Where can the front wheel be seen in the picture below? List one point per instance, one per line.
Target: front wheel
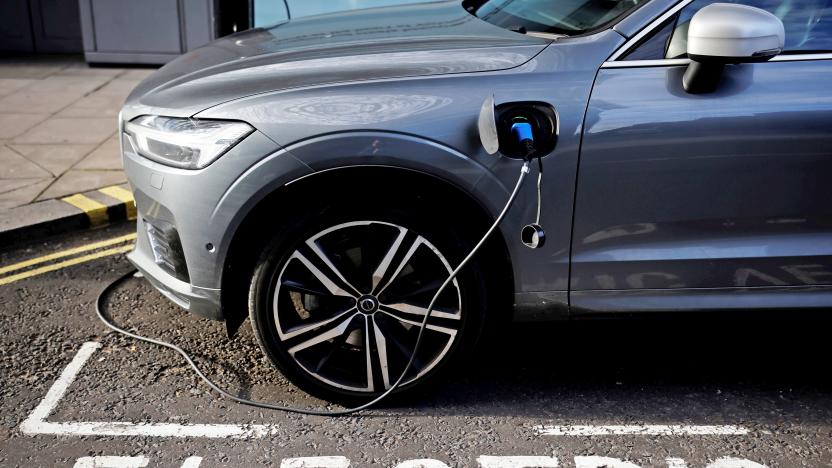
(338, 298)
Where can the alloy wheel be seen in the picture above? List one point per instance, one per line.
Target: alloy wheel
(349, 301)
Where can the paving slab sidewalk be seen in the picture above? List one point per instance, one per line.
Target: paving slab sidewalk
(58, 122)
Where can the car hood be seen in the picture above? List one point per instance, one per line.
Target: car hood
(391, 42)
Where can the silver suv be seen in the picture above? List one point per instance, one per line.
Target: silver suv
(324, 175)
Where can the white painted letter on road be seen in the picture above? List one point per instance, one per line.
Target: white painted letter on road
(111, 462)
(315, 462)
(422, 463)
(517, 462)
(603, 462)
(731, 462)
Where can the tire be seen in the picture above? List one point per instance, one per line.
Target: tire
(346, 284)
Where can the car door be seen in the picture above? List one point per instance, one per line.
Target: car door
(718, 200)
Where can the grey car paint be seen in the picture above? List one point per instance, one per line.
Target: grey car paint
(693, 192)
(408, 96)
(396, 42)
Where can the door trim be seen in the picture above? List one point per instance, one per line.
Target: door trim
(686, 61)
(590, 302)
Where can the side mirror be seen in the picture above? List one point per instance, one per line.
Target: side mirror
(726, 33)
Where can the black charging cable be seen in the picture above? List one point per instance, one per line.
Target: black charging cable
(99, 309)
(532, 235)
(288, 11)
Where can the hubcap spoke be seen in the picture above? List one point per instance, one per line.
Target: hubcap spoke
(333, 333)
(419, 240)
(328, 283)
(406, 352)
(388, 258)
(303, 288)
(437, 328)
(314, 326)
(320, 253)
(381, 349)
(336, 343)
(368, 354)
(421, 311)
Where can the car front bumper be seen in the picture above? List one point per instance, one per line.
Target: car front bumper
(183, 235)
(201, 301)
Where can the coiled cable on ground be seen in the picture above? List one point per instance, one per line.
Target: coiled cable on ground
(102, 296)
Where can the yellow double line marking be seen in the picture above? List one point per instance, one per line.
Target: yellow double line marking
(66, 263)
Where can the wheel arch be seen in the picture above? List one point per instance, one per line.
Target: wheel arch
(292, 174)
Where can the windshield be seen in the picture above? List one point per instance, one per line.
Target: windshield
(568, 17)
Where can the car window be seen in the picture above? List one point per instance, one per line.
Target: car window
(808, 25)
(654, 46)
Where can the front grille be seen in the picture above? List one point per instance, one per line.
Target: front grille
(167, 250)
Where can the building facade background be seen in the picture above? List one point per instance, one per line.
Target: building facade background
(144, 31)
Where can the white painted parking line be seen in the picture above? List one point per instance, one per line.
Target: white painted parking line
(36, 423)
(127, 462)
(111, 462)
(58, 389)
(111, 429)
(640, 429)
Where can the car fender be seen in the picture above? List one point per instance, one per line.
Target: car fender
(352, 149)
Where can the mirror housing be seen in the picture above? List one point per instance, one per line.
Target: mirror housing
(726, 33)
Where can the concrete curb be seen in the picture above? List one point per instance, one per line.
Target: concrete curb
(91, 209)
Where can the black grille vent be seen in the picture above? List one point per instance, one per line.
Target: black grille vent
(167, 250)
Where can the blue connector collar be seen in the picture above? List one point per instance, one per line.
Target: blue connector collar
(522, 131)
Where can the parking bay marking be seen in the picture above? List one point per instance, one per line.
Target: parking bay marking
(37, 422)
(641, 429)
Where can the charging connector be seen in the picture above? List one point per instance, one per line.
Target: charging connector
(522, 131)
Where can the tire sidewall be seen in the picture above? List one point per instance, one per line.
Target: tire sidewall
(451, 242)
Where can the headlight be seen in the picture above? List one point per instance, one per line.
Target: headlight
(186, 143)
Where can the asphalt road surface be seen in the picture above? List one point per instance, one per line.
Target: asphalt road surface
(722, 390)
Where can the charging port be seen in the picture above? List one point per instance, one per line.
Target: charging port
(542, 119)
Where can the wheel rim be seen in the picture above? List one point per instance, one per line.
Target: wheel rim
(349, 301)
